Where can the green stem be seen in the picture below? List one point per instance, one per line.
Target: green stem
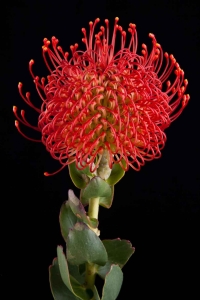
(90, 275)
(93, 209)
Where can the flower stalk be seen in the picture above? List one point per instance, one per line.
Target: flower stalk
(93, 208)
(90, 273)
(93, 211)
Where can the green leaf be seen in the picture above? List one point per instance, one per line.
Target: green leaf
(116, 174)
(74, 271)
(58, 288)
(71, 283)
(119, 252)
(113, 283)
(79, 177)
(86, 171)
(96, 294)
(67, 219)
(83, 245)
(97, 187)
(82, 269)
(79, 211)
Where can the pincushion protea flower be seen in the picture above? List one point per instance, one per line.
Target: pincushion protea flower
(99, 100)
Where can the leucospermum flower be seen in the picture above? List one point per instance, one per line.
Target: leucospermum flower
(99, 100)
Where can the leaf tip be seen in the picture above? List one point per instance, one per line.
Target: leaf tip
(73, 198)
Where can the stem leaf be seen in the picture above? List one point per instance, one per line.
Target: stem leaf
(67, 219)
(70, 282)
(79, 211)
(116, 174)
(98, 188)
(80, 178)
(119, 252)
(113, 283)
(58, 288)
(83, 245)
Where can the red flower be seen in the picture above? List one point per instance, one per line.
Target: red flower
(101, 100)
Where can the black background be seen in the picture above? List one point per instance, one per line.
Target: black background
(157, 209)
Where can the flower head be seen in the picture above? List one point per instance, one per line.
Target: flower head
(99, 100)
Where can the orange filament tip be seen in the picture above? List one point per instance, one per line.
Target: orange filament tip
(46, 174)
(14, 108)
(90, 23)
(44, 48)
(97, 20)
(19, 84)
(16, 123)
(151, 35)
(31, 62)
(106, 21)
(116, 19)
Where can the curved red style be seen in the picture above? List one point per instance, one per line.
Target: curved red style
(101, 100)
